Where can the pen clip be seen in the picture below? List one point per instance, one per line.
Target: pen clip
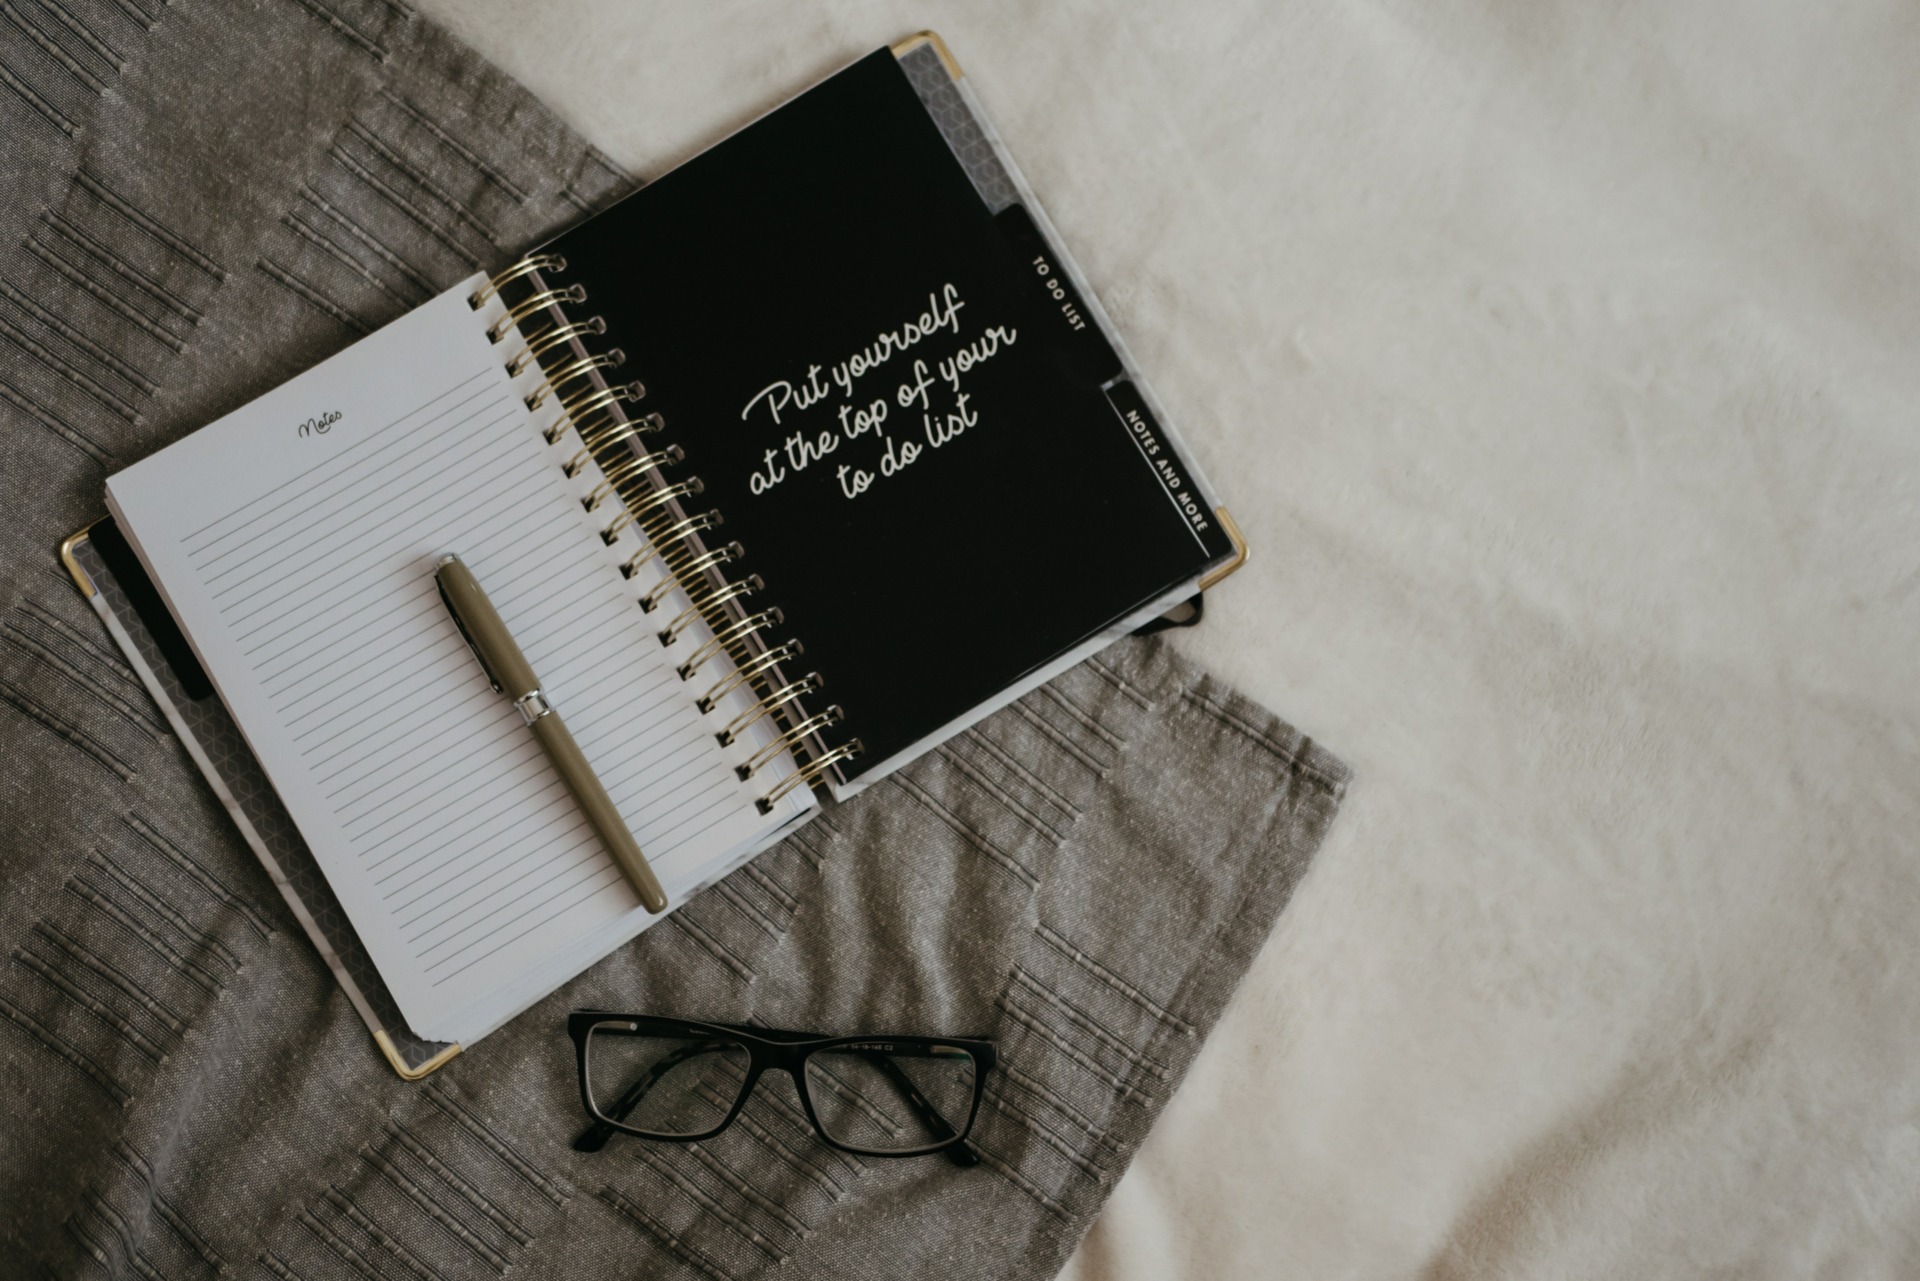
(467, 636)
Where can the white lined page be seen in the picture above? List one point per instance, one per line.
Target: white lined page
(300, 565)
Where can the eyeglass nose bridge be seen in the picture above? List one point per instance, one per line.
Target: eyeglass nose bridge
(785, 1053)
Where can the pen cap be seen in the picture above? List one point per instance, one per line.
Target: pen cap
(491, 641)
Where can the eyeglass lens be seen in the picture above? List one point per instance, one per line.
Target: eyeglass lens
(884, 1096)
(671, 1086)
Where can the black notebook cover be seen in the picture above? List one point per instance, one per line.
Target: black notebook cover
(972, 503)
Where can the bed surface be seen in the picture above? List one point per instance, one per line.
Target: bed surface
(1559, 362)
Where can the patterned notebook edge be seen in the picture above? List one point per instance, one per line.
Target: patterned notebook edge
(214, 742)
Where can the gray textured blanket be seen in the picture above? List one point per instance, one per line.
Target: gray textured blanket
(199, 200)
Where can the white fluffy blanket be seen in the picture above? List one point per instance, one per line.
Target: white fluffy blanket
(1562, 363)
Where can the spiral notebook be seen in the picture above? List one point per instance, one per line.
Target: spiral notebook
(798, 461)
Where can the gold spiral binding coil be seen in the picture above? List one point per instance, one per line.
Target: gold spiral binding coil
(712, 598)
(541, 341)
(589, 401)
(655, 532)
(706, 594)
(580, 368)
(545, 298)
(593, 411)
(658, 458)
(746, 673)
(759, 711)
(684, 565)
(807, 773)
(727, 637)
(609, 430)
(589, 398)
(687, 560)
(652, 543)
(655, 499)
(629, 467)
(812, 725)
(525, 267)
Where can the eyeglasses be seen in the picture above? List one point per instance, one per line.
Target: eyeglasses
(681, 1081)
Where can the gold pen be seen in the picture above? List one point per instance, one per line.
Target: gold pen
(508, 671)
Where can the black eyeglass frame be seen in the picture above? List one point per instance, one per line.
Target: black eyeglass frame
(771, 1049)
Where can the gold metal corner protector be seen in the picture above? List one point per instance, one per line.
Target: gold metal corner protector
(1240, 549)
(918, 38)
(399, 1064)
(72, 562)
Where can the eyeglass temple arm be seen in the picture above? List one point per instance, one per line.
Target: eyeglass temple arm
(595, 1136)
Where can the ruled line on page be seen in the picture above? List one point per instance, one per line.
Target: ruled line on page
(319, 535)
(433, 879)
(343, 473)
(261, 498)
(428, 859)
(593, 888)
(304, 577)
(460, 911)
